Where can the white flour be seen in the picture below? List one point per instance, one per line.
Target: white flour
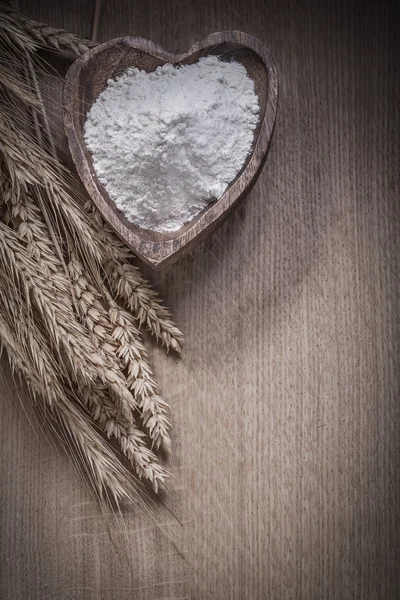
(164, 144)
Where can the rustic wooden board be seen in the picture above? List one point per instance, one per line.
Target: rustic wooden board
(286, 403)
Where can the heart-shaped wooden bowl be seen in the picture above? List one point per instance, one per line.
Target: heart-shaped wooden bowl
(87, 78)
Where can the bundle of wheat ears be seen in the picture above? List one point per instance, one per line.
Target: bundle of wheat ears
(71, 300)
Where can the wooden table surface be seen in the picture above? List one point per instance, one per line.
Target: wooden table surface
(286, 402)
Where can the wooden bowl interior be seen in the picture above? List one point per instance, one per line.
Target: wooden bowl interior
(115, 60)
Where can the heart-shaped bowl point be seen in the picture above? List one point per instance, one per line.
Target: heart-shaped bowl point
(88, 77)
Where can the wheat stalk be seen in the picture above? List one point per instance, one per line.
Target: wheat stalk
(28, 164)
(64, 327)
(62, 272)
(13, 36)
(65, 331)
(134, 291)
(23, 214)
(28, 337)
(68, 334)
(129, 438)
(26, 218)
(107, 331)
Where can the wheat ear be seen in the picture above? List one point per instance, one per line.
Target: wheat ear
(117, 336)
(30, 228)
(105, 472)
(34, 345)
(15, 89)
(49, 224)
(130, 439)
(106, 337)
(154, 409)
(32, 35)
(66, 333)
(130, 287)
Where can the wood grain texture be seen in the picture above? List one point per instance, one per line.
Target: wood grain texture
(286, 402)
(87, 78)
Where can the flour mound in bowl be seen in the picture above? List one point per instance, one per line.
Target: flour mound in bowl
(166, 143)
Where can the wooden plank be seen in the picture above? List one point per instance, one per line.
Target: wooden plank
(286, 403)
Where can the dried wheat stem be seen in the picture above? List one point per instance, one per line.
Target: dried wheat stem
(12, 34)
(130, 439)
(65, 330)
(130, 287)
(24, 215)
(104, 468)
(120, 340)
(31, 228)
(27, 220)
(92, 345)
(34, 346)
(28, 164)
(11, 337)
(117, 336)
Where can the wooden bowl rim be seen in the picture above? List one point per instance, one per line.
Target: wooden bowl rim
(164, 250)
